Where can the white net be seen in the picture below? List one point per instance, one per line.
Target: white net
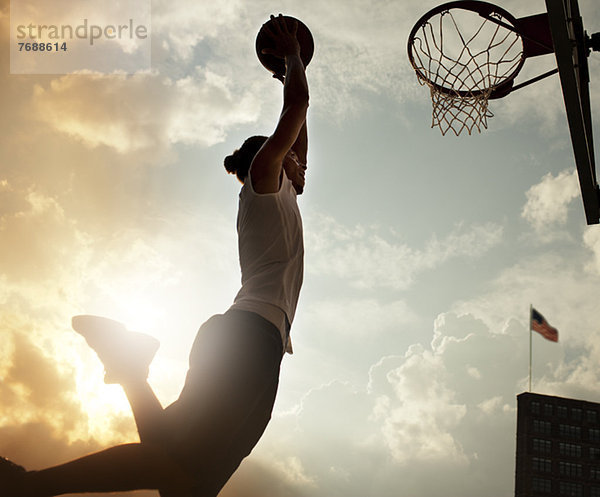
(459, 113)
(463, 57)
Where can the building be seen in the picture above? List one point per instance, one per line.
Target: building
(558, 447)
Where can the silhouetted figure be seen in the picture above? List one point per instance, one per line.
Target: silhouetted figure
(192, 447)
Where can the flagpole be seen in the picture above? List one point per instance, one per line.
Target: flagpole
(530, 340)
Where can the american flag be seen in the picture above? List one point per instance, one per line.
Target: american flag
(539, 324)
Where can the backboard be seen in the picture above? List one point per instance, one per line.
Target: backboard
(571, 48)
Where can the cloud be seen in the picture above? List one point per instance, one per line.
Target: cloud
(560, 288)
(144, 112)
(42, 419)
(185, 24)
(358, 52)
(421, 411)
(356, 312)
(591, 239)
(548, 201)
(336, 414)
(489, 406)
(541, 103)
(364, 258)
(207, 106)
(50, 264)
(354, 51)
(293, 472)
(419, 429)
(557, 286)
(42, 253)
(34, 227)
(254, 478)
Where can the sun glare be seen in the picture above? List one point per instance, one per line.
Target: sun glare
(140, 315)
(104, 404)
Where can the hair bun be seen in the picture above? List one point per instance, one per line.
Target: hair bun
(231, 163)
(240, 161)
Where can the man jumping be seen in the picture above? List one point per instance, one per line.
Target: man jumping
(192, 447)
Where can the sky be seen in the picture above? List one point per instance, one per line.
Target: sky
(423, 252)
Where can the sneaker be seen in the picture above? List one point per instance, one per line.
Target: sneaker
(126, 355)
(10, 475)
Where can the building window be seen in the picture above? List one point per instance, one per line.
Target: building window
(569, 469)
(570, 450)
(535, 407)
(595, 492)
(562, 411)
(592, 417)
(542, 485)
(541, 465)
(594, 434)
(548, 410)
(570, 431)
(570, 489)
(595, 453)
(541, 426)
(542, 446)
(576, 414)
(595, 473)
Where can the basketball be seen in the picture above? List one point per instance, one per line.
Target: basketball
(275, 64)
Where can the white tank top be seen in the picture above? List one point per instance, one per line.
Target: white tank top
(271, 252)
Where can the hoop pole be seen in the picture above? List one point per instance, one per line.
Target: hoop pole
(530, 340)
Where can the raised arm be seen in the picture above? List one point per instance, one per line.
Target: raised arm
(301, 144)
(290, 132)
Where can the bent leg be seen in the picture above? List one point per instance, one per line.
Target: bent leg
(126, 357)
(147, 411)
(121, 468)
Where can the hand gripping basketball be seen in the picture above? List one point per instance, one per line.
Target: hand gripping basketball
(278, 36)
(283, 35)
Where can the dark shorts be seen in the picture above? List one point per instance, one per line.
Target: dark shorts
(227, 399)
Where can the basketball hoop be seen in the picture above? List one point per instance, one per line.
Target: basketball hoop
(468, 52)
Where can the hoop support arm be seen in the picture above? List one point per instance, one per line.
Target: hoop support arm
(593, 42)
(533, 29)
(535, 80)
